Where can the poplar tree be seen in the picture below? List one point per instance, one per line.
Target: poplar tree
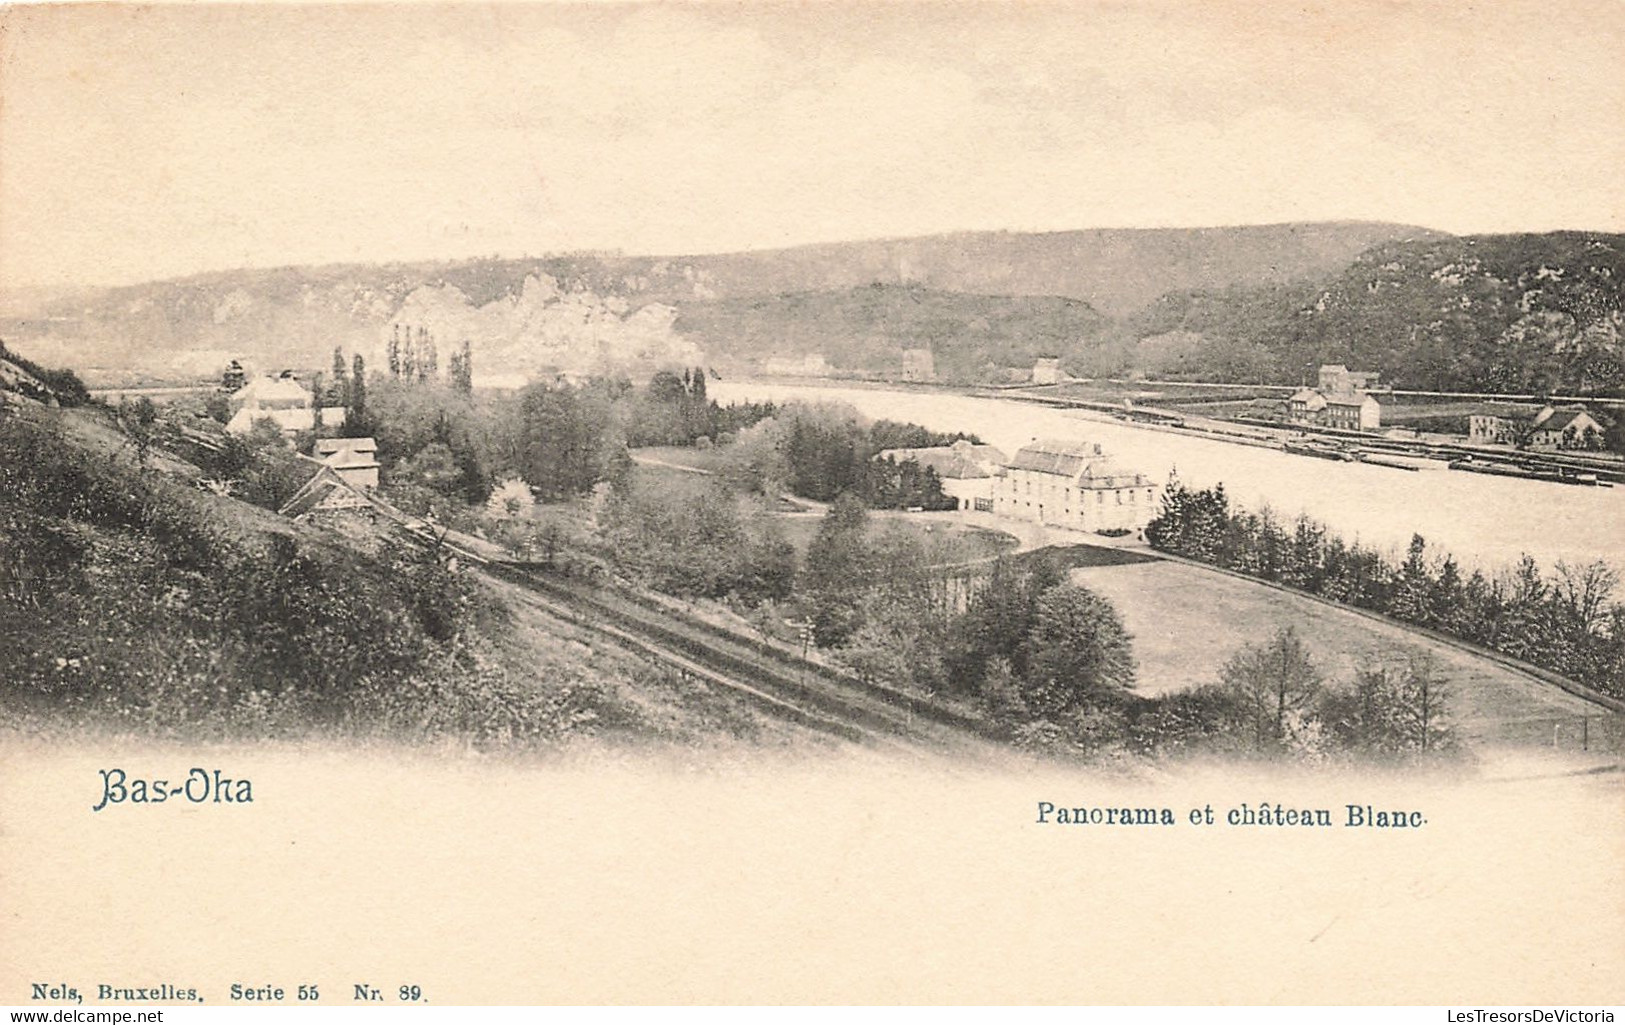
(395, 352)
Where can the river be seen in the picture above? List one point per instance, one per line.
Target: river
(1483, 520)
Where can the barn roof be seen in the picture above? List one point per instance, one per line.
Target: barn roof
(327, 488)
(960, 461)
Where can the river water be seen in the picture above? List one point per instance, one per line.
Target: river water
(1484, 521)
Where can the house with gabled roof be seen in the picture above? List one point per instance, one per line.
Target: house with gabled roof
(1343, 400)
(1356, 412)
(1566, 428)
(1305, 405)
(967, 470)
(1552, 427)
(283, 401)
(327, 493)
(280, 392)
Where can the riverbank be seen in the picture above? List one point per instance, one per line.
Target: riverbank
(1548, 467)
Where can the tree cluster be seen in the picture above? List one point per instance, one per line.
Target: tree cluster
(699, 544)
(672, 410)
(412, 356)
(1046, 661)
(1524, 314)
(829, 450)
(1272, 700)
(1568, 622)
(63, 385)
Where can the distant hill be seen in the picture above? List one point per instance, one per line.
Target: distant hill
(865, 329)
(1116, 270)
(1504, 313)
(1520, 313)
(296, 315)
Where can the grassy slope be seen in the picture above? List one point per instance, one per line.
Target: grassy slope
(1188, 621)
(585, 688)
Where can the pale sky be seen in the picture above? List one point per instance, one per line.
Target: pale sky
(148, 142)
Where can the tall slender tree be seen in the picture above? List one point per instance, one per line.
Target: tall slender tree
(395, 351)
(428, 359)
(356, 421)
(341, 377)
(462, 369)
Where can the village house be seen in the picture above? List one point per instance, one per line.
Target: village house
(1343, 401)
(1305, 406)
(1073, 485)
(1047, 370)
(283, 400)
(1336, 379)
(1359, 412)
(919, 365)
(1567, 429)
(967, 470)
(355, 459)
(1551, 428)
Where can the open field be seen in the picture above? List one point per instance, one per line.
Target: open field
(1187, 621)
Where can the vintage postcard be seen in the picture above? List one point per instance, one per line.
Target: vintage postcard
(790, 503)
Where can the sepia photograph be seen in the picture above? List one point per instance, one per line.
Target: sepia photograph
(812, 503)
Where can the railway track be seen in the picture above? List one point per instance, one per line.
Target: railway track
(807, 693)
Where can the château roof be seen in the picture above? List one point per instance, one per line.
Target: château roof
(1083, 462)
(1068, 459)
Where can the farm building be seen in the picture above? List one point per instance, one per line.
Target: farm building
(967, 470)
(1305, 406)
(282, 400)
(356, 459)
(1336, 379)
(326, 495)
(1359, 412)
(1551, 428)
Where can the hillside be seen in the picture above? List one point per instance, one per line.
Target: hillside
(1513, 313)
(864, 329)
(216, 617)
(1503, 313)
(1116, 271)
(619, 308)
